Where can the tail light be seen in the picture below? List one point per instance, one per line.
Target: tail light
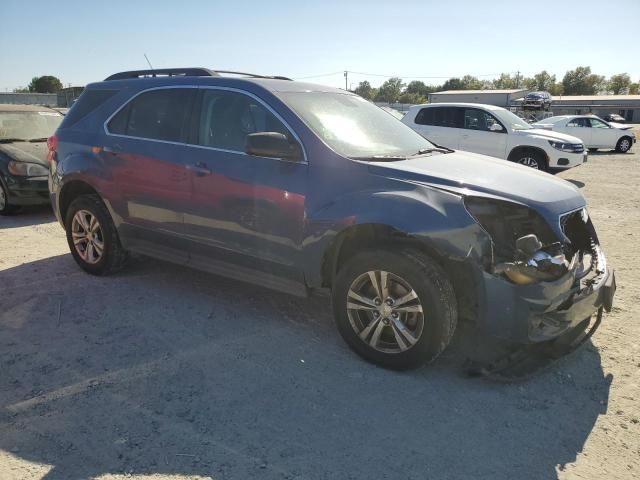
(52, 144)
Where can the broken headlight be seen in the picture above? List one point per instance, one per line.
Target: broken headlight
(525, 248)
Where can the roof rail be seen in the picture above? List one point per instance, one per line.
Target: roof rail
(185, 72)
(254, 75)
(170, 72)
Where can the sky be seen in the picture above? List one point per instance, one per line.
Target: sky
(83, 41)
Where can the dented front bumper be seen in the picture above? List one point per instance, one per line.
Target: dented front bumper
(543, 311)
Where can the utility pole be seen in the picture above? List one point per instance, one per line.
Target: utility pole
(346, 80)
(518, 79)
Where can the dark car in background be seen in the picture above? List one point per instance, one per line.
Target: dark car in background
(305, 188)
(24, 130)
(537, 100)
(614, 117)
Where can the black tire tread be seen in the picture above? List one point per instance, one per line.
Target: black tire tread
(442, 330)
(618, 149)
(115, 254)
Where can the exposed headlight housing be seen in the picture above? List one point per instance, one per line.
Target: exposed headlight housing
(526, 250)
(25, 169)
(566, 147)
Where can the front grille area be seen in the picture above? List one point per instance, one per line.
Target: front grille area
(576, 147)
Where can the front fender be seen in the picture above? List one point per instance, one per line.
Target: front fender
(436, 218)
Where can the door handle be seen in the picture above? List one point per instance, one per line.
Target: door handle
(200, 169)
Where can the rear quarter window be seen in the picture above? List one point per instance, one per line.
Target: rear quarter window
(86, 103)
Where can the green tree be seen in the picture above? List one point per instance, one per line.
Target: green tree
(412, 98)
(472, 83)
(45, 84)
(453, 84)
(619, 84)
(544, 81)
(634, 89)
(582, 82)
(420, 88)
(505, 81)
(365, 90)
(21, 90)
(390, 90)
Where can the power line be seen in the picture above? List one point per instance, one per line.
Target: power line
(426, 76)
(396, 75)
(341, 72)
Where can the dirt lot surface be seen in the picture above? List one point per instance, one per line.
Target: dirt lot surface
(165, 373)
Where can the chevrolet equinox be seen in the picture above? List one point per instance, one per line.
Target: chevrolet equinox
(304, 188)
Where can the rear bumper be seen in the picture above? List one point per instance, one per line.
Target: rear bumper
(544, 311)
(23, 191)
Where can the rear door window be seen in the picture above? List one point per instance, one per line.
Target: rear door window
(158, 115)
(451, 117)
(226, 118)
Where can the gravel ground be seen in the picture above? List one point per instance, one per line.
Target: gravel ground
(165, 373)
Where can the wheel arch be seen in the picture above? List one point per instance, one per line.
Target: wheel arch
(527, 148)
(71, 190)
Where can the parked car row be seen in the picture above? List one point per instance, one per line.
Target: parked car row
(497, 132)
(304, 188)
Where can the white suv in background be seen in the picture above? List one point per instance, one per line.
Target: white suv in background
(497, 132)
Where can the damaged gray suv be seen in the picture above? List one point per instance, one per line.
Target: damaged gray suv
(304, 188)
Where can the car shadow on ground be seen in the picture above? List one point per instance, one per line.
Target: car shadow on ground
(28, 216)
(577, 183)
(163, 370)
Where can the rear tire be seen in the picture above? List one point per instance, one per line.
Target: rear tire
(407, 333)
(624, 145)
(92, 236)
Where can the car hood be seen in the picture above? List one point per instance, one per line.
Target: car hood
(621, 126)
(469, 174)
(545, 133)
(26, 152)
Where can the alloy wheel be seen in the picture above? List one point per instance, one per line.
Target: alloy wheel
(529, 162)
(385, 311)
(625, 145)
(88, 239)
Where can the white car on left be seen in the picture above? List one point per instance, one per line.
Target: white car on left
(592, 130)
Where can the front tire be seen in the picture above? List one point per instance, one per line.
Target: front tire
(92, 236)
(395, 309)
(5, 207)
(531, 159)
(623, 145)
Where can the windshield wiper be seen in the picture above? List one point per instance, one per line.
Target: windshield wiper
(381, 158)
(424, 151)
(11, 140)
(37, 140)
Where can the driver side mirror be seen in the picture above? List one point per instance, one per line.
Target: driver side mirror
(495, 127)
(272, 145)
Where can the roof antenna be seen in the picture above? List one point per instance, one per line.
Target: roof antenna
(147, 58)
